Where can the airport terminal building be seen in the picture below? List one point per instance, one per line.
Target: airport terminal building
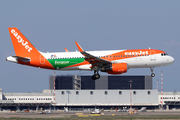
(83, 92)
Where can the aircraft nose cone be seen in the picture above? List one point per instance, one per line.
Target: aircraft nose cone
(171, 59)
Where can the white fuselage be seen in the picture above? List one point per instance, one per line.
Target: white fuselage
(149, 61)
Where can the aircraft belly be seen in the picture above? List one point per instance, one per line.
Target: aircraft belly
(77, 68)
(145, 63)
(71, 68)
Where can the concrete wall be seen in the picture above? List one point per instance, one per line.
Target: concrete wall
(111, 98)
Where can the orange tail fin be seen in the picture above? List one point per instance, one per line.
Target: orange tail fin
(21, 44)
(26, 53)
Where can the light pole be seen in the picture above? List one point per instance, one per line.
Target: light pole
(131, 93)
(161, 89)
(174, 94)
(54, 77)
(157, 83)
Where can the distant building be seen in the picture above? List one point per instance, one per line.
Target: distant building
(105, 82)
(105, 98)
(83, 92)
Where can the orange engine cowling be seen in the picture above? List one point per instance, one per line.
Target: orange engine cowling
(118, 68)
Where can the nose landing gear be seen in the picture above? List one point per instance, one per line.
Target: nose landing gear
(152, 74)
(96, 75)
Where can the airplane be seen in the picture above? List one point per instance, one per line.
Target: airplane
(96, 111)
(109, 61)
(132, 110)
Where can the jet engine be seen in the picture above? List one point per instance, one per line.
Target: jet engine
(116, 68)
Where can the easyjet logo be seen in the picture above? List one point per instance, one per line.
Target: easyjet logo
(20, 40)
(137, 53)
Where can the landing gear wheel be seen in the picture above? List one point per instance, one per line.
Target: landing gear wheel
(152, 75)
(95, 76)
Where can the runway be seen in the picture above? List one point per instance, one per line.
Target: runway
(59, 114)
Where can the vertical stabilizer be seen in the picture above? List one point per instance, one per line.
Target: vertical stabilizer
(26, 53)
(21, 44)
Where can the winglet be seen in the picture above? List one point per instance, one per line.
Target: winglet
(79, 47)
(66, 50)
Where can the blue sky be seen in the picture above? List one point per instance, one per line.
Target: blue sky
(97, 25)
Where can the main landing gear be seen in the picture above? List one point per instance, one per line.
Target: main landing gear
(152, 74)
(96, 75)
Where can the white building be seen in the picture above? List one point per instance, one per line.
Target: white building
(90, 98)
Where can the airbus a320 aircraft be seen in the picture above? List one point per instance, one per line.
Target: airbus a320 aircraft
(110, 61)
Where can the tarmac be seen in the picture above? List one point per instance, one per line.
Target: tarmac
(61, 114)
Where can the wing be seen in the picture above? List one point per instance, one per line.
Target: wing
(95, 61)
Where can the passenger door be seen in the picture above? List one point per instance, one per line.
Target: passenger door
(42, 60)
(152, 55)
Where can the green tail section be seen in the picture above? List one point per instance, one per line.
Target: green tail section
(62, 63)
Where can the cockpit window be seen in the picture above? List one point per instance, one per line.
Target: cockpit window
(164, 54)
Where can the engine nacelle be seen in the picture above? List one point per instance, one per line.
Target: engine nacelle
(116, 68)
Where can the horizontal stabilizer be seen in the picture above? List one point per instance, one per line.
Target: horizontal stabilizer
(16, 58)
